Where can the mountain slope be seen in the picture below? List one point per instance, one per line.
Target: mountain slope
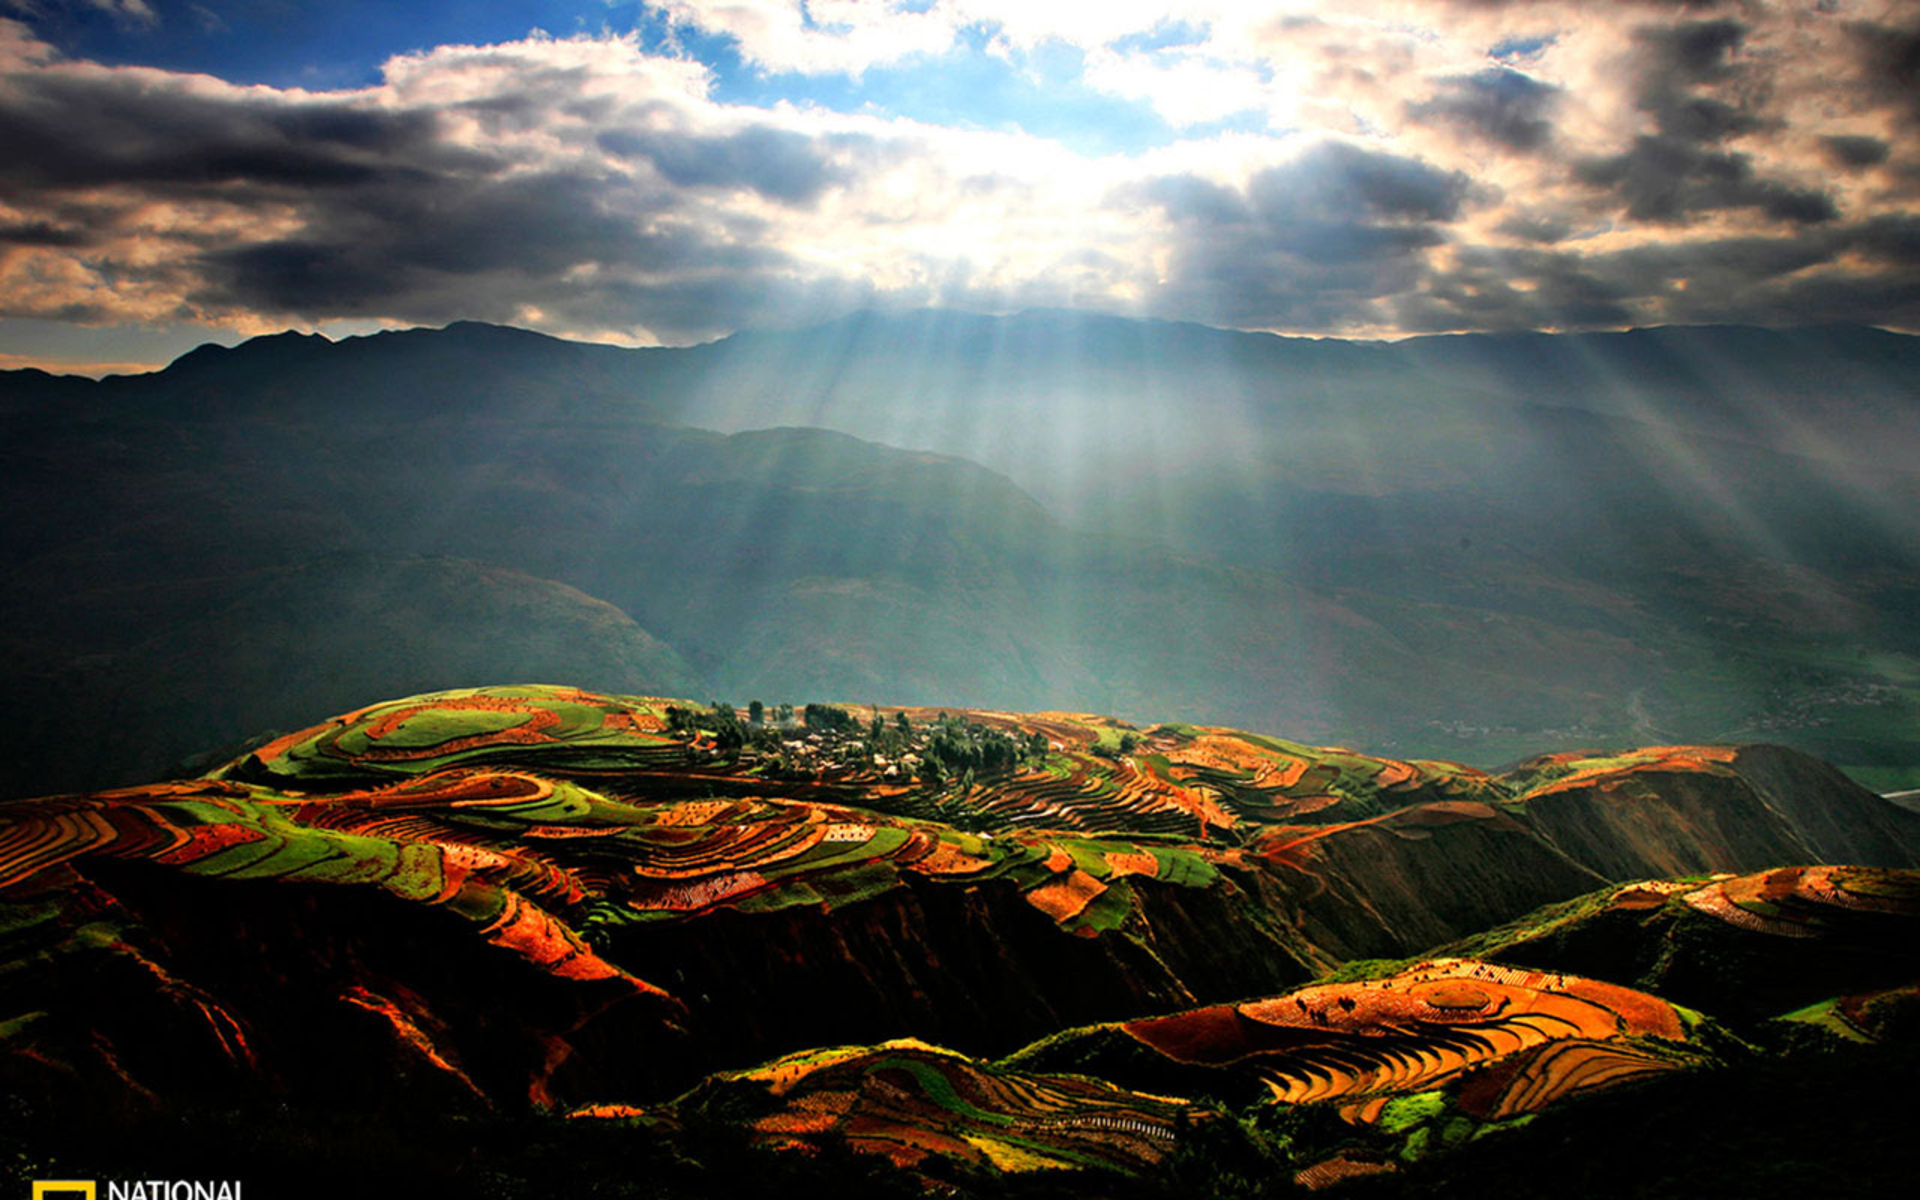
(182, 666)
(548, 827)
(786, 561)
(495, 906)
(1473, 547)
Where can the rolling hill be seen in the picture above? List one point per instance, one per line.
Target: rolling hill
(978, 948)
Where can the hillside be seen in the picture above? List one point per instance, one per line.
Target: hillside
(182, 667)
(1472, 547)
(513, 904)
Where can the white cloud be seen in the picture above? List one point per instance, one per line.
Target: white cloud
(591, 187)
(128, 12)
(1185, 89)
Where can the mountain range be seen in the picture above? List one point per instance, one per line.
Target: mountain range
(1465, 547)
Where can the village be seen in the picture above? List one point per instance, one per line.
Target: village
(829, 740)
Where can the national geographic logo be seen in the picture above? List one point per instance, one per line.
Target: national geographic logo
(137, 1189)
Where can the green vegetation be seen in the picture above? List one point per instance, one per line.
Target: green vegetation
(963, 750)
(1111, 741)
(483, 881)
(828, 718)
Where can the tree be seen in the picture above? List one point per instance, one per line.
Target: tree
(828, 718)
(728, 733)
(756, 713)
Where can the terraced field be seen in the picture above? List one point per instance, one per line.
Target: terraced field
(1550, 773)
(1808, 902)
(538, 899)
(1176, 779)
(1411, 1032)
(558, 729)
(1437, 1051)
(924, 1107)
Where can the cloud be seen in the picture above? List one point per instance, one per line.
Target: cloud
(1185, 89)
(1858, 273)
(1313, 242)
(1853, 151)
(577, 178)
(130, 12)
(1335, 181)
(823, 36)
(1668, 179)
(1682, 68)
(777, 163)
(1888, 66)
(1500, 104)
(1390, 165)
(73, 129)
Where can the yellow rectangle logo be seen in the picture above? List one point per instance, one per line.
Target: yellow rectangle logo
(63, 1189)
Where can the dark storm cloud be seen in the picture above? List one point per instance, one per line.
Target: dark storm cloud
(1499, 104)
(1893, 239)
(436, 251)
(400, 210)
(1532, 227)
(1759, 280)
(1312, 243)
(777, 163)
(43, 233)
(76, 131)
(1692, 79)
(1341, 183)
(1855, 151)
(1667, 179)
(1374, 198)
(1694, 52)
(1675, 63)
(1888, 63)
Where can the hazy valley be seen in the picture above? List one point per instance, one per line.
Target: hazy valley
(1470, 547)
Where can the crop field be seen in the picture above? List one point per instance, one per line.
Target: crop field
(1097, 776)
(1809, 902)
(223, 830)
(1412, 1032)
(1551, 773)
(572, 845)
(537, 863)
(926, 1108)
(558, 728)
(1435, 1053)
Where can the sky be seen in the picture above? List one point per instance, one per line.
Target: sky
(181, 172)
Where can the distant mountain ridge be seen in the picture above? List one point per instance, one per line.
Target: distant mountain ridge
(1464, 546)
(1836, 364)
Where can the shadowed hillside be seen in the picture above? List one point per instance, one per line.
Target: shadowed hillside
(521, 902)
(1474, 547)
